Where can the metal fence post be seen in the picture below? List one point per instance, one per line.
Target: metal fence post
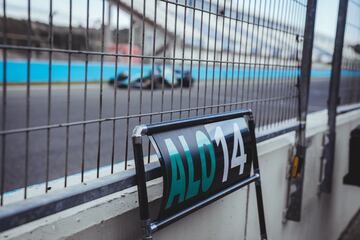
(327, 160)
(296, 175)
(141, 182)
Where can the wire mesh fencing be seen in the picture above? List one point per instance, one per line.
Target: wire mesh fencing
(77, 76)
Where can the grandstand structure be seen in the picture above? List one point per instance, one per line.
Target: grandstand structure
(210, 30)
(244, 32)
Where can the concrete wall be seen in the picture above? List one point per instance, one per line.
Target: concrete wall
(323, 216)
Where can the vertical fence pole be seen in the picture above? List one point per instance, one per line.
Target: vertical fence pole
(258, 191)
(141, 182)
(296, 175)
(327, 160)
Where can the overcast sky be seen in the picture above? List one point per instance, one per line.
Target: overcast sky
(326, 17)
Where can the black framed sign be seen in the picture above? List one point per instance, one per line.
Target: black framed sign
(202, 159)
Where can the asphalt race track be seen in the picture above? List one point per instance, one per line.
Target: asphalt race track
(16, 152)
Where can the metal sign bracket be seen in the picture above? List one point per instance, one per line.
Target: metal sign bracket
(216, 191)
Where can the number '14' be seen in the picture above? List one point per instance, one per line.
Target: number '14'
(235, 160)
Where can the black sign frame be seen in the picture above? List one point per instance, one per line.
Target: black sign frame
(150, 226)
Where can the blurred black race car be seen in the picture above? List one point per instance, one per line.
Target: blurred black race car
(156, 78)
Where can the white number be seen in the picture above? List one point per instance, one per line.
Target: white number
(219, 137)
(238, 142)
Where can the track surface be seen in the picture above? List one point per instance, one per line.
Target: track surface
(15, 148)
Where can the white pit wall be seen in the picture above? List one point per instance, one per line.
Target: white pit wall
(323, 216)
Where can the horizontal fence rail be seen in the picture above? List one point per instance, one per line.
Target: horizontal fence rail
(77, 76)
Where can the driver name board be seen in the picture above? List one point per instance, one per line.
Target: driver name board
(202, 160)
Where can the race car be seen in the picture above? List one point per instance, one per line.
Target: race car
(154, 79)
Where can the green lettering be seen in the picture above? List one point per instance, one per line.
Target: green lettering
(193, 187)
(202, 141)
(178, 183)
